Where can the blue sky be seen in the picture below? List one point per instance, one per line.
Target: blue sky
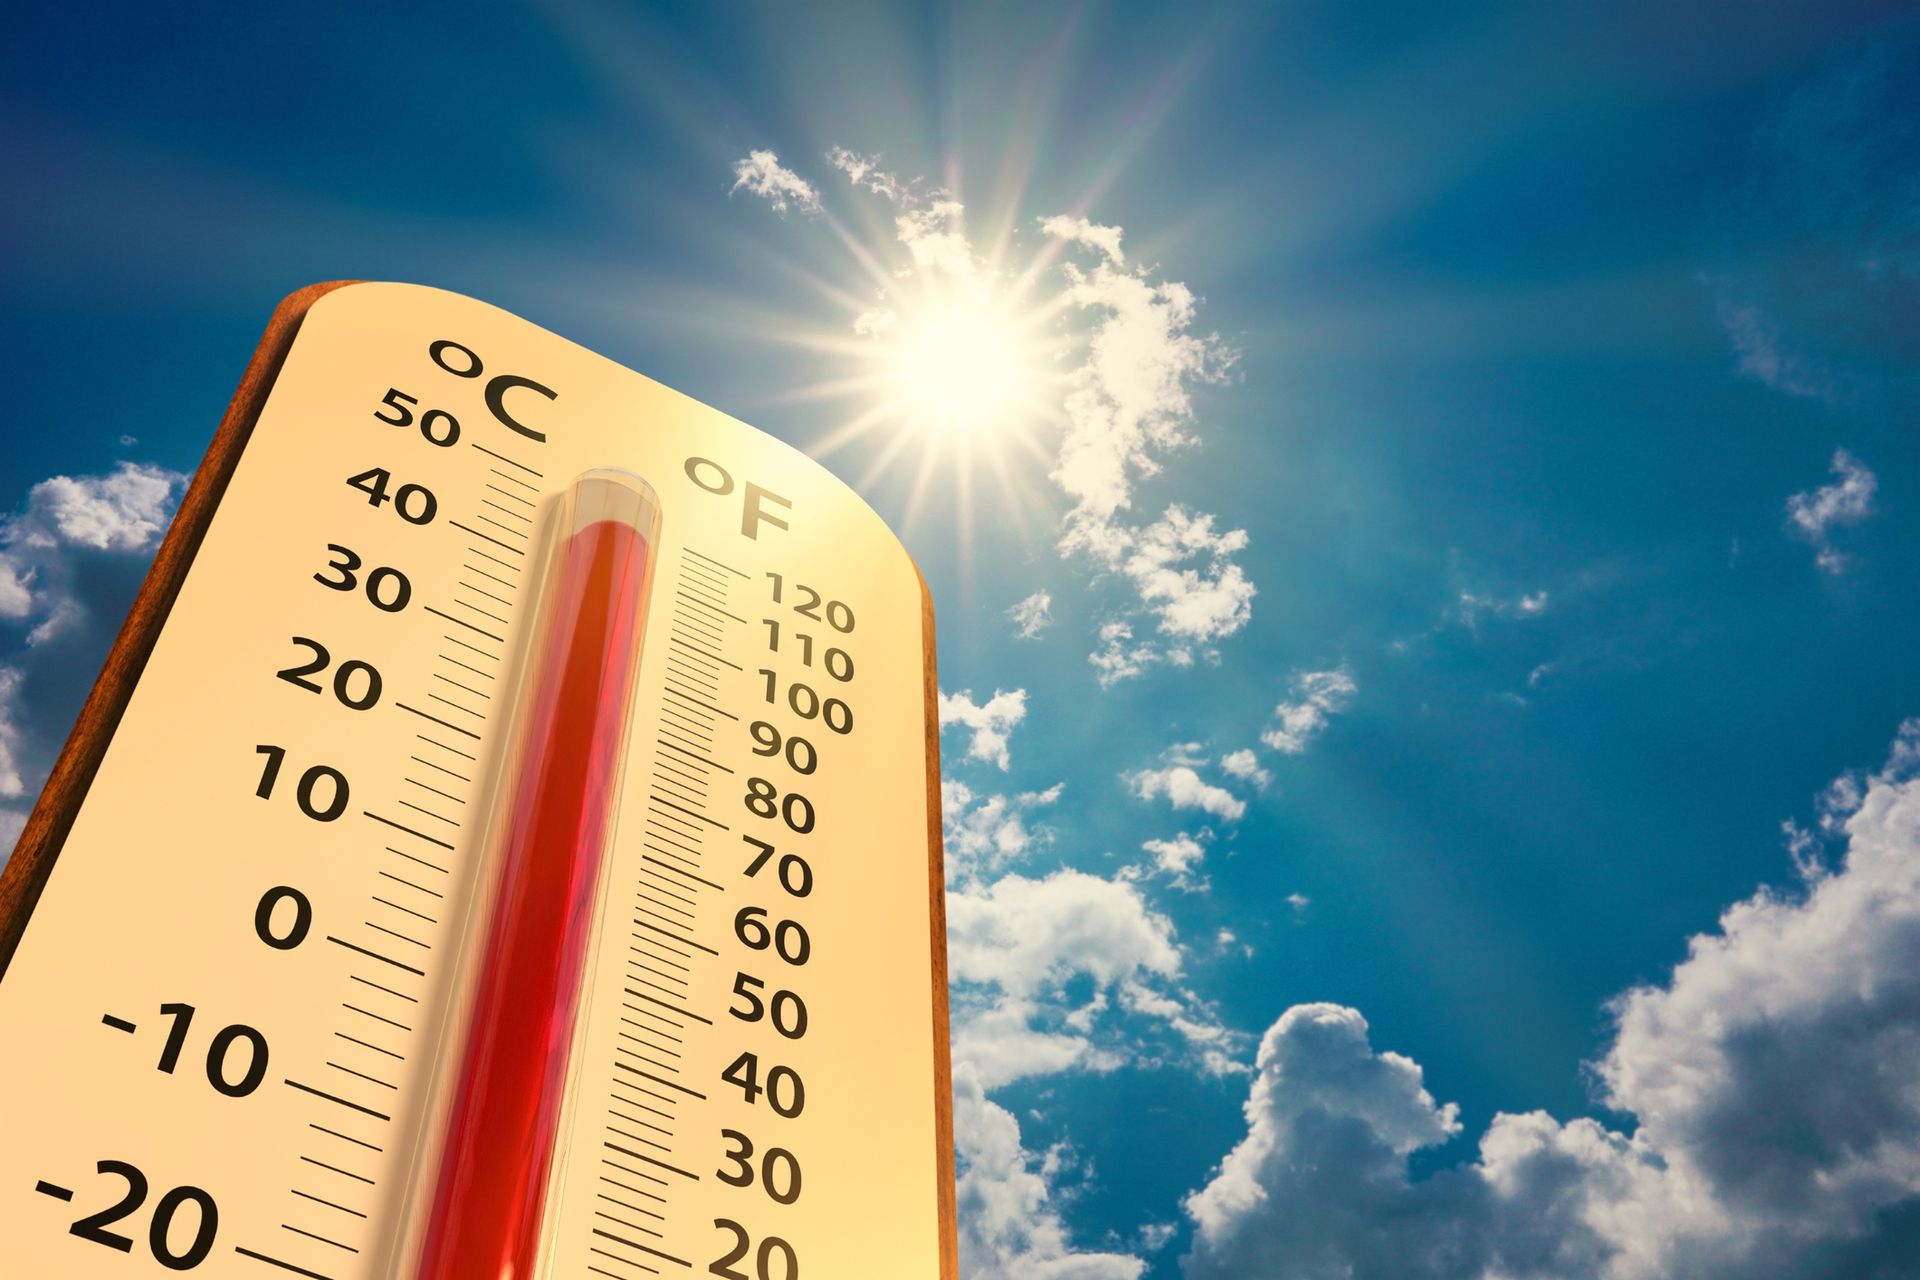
(1549, 380)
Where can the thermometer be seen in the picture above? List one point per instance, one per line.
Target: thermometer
(504, 841)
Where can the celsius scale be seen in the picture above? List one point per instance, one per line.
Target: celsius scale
(504, 842)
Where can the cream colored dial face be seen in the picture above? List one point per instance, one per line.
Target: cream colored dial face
(219, 1028)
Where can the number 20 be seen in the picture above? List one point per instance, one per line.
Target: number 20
(762, 1258)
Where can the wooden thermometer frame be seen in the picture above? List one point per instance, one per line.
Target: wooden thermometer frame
(26, 872)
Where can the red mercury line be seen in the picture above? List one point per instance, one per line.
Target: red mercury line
(503, 1129)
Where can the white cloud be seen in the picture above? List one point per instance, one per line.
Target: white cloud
(1023, 935)
(122, 512)
(16, 589)
(1246, 765)
(935, 236)
(1192, 604)
(1178, 858)
(762, 174)
(984, 834)
(865, 171)
(1186, 789)
(1119, 656)
(1131, 398)
(1773, 1081)
(1318, 696)
(1088, 233)
(1032, 615)
(70, 560)
(1017, 941)
(1013, 946)
(1847, 501)
(12, 784)
(1010, 1229)
(991, 722)
(1129, 402)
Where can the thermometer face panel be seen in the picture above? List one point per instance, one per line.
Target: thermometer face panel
(226, 1015)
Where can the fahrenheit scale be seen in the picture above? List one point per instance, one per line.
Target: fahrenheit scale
(298, 983)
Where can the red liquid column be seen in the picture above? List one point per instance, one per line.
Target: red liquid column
(485, 1212)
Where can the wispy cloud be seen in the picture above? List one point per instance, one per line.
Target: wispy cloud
(760, 173)
(1847, 501)
(1318, 696)
(1032, 615)
(1472, 606)
(865, 171)
(1765, 356)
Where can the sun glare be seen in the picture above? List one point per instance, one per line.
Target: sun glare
(948, 362)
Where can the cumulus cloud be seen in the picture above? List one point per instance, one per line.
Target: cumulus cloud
(1244, 764)
(1178, 859)
(1184, 788)
(1318, 696)
(124, 511)
(1024, 934)
(1773, 1081)
(760, 173)
(1014, 945)
(1020, 940)
(1032, 615)
(1847, 501)
(13, 784)
(1193, 604)
(990, 722)
(70, 561)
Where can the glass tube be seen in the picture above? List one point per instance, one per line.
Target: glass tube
(527, 965)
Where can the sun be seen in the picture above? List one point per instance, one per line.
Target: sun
(962, 363)
(948, 367)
